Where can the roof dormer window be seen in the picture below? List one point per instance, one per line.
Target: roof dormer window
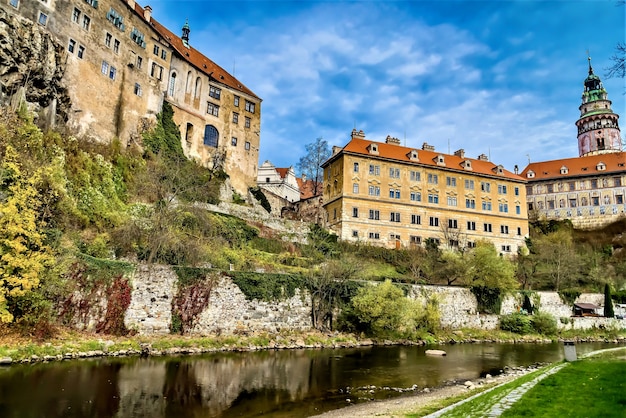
(373, 149)
(440, 160)
(413, 155)
(499, 169)
(530, 174)
(564, 170)
(467, 164)
(601, 166)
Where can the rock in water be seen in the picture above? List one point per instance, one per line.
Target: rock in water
(435, 353)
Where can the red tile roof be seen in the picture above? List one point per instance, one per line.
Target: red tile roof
(425, 158)
(282, 172)
(579, 166)
(195, 58)
(307, 189)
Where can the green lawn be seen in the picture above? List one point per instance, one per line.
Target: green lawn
(586, 388)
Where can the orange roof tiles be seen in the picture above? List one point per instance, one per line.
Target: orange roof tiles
(425, 158)
(307, 189)
(578, 166)
(282, 172)
(194, 57)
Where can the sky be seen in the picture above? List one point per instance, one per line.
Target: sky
(503, 78)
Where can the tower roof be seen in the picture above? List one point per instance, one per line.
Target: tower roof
(592, 82)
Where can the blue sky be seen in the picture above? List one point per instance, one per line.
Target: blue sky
(502, 78)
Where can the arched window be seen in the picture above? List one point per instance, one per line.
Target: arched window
(189, 133)
(189, 81)
(170, 90)
(211, 136)
(196, 92)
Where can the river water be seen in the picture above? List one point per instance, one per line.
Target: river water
(289, 383)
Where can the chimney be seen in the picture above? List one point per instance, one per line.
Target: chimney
(358, 134)
(516, 169)
(303, 178)
(483, 157)
(147, 13)
(131, 3)
(460, 153)
(336, 149)
(391, 140)
(427, 147)
(186, 31)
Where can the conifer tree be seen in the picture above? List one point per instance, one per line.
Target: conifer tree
(608, 303)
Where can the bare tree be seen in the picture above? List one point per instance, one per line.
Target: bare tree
(618, 69)
(310, 164)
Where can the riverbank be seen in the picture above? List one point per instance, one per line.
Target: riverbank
(70, 344)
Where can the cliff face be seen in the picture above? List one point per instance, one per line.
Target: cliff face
(32, 65)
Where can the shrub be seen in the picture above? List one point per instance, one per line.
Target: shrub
(516, 322)
(544, 323)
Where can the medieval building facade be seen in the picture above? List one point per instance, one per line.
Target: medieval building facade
(382, 193)
(118, 65)
(589, 190)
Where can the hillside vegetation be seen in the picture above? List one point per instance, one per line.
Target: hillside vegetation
(76, 215)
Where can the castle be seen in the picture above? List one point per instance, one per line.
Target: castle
(104, 68)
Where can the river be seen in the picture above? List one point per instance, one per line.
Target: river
(288, 383)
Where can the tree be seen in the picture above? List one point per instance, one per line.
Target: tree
(608, 303)
(618, 69)
(310, 164)
(558, 257)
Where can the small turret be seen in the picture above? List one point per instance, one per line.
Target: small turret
(186, 31)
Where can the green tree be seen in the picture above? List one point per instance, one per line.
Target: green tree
(608, 302)
(558, 258)
(310, 164)
(23, 254)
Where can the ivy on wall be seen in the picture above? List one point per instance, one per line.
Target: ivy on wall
(267, 287)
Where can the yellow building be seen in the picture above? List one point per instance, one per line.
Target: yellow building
(382, 193)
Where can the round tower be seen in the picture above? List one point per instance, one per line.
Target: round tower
(598, 130)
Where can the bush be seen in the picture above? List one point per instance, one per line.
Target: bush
(544, 324)
(516, 322)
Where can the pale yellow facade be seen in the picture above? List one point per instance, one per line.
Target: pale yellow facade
(386, 200)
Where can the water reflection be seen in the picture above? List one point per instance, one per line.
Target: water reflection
(267, 383)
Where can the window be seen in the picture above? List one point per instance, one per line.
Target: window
(247, 122)
(506, 248)
(413, 239)
(235, 117)
(139, 61)
(163, 54)
(518, 210)
(504, 229)
(170, 90)
(112, 73)
(470, 203)
(394, 173)
(619, 199)
(374, 235)
(92, 3)
(374, 214)
(486, 205)
(433, 198)
(355, 188)
(487, 227)
(595, 201)
(71, 46)
(394, 217)
(471, 226)
(416, 196)
(415, 176)
(504, 207)
(249, 106)
(212, 109)
(550, 188)
(433, 178)
(215, 92)
(469, 184)
(501, 189)
(43, 19)
(76, 15)
(617, 181)
(516, 191)
(355, 167)
(138, 38)
(81, 51)
(355, 212)
(373, 191)
(247, 146)
(115, 18)
(104, 68)
(156, 71)
(453, 224)
(14, 3)
(451, 181)
(374, 170)
(233, 141)
(519, 230)
(471, 244)
(236, 101)
(211, 136)
(335, 213)
(86, 22)
(107, 39)
(485, 186)
(433, 221)
(116, 46)
(355, 234)
(155, 50)
(416, 219)
(394, 193)
(451, 200)
(453, 243)
(138, 91)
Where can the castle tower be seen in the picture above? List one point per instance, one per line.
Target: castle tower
(598, 130)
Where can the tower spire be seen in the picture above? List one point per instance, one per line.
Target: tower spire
(186, 31)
